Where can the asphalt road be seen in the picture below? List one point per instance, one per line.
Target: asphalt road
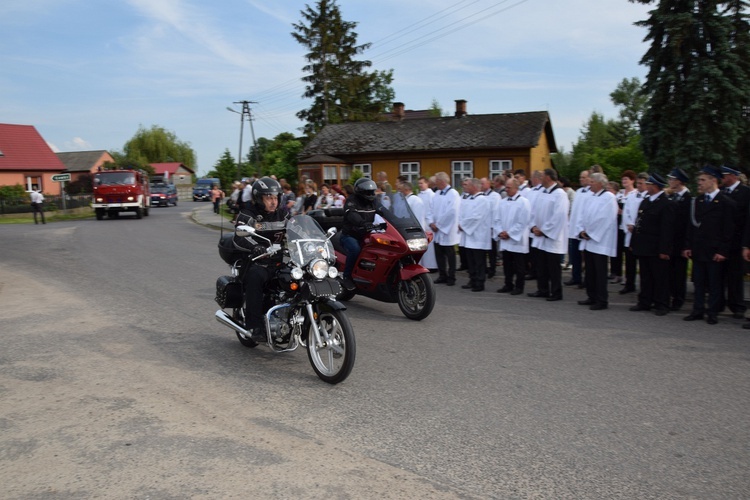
(117, 382)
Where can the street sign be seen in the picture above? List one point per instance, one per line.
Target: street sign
(61, 177)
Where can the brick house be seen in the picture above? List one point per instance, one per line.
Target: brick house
(177, 173)
(78, 163)
(415, 144)
(26, 159)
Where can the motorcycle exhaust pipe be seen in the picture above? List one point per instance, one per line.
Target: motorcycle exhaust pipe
(226, 320)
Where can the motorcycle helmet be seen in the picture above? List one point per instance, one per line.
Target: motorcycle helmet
(262, 187)
(365, 188)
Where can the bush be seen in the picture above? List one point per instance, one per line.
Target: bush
(13, 192)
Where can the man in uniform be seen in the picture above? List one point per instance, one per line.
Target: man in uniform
(575, 258)
(511, 226)
(709, 239)
(444, 223)
(678, 264)
(652, 242)
(475, 226)
(734, 275)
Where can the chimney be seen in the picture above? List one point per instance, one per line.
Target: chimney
(460, 108)
(398, 111)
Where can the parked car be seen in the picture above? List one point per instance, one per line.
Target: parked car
(202, 189)
(163, 195)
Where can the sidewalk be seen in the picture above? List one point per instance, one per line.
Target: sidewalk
(203, 214)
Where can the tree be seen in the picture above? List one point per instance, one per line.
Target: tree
(698, 82)
(339, 84)
(225, 170)
(632, 102)
(280, 157)
(435, 109)
(157, 145)
(123, 162)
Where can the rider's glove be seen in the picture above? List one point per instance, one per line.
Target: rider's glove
(259, 250)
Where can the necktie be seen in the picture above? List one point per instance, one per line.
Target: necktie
(442, 192)
(728, 190)
(638, 195)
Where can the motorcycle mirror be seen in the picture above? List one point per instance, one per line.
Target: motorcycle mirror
(331, 231)
(244, 230)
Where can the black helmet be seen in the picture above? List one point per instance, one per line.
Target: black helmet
(365, 188)
(262, 187)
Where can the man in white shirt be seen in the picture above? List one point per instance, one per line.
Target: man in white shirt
(37, 205)
(494, 198)
(475, 226)
(426, 194)
(444, 223)
(531, 194)
(511, 229)
(551, 236)
(582, 195)
(597, 230)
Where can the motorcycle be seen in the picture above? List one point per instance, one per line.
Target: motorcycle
(299, 300)
(388, 267)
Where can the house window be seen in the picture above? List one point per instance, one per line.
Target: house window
(365, 168)
(33, 182)
(410, 170)
(461, 170)
(346, 174)
(498, 167)
(329, 174)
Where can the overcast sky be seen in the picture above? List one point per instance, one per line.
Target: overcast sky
(86, 74)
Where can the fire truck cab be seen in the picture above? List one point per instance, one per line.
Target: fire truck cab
(118, 191)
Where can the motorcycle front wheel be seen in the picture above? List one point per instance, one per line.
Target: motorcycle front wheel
(416, 297)
(333, 360)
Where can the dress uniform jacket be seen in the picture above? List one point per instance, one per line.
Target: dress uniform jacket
(654, 227)
(741, 197)
(711, 227)
(682, 203)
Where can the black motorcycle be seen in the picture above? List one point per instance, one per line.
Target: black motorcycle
(299, 300)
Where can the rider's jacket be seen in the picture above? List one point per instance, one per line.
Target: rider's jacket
(359, 214)
(270, 225)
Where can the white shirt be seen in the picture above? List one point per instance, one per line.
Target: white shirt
(512, 215)
(417, 207)
(475, 222)
(426, 196)
(582, 196)
(630, 212)
(445, 208)
(551, 217)
(599, 221)
(36, 197)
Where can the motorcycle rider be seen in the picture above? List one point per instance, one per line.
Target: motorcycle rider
(269, 219)
(359, 216)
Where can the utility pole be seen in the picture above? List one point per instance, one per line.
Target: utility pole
(245, 111)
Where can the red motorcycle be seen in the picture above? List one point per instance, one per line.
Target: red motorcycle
(388, 267)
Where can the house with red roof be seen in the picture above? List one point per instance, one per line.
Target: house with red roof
(26, 159)
(175, 173)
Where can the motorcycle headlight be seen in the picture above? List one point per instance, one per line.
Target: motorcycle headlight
(332, 272)
(417, 244)
(297, 273)
(319, 269)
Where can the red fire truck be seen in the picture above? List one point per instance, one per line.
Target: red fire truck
(118, 191)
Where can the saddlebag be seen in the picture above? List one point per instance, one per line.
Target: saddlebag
(228, 292)
(227, 251)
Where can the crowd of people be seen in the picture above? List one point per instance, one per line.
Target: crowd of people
(650, 225)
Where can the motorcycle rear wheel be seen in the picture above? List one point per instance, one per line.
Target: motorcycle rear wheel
(333, 361)
(416, 297)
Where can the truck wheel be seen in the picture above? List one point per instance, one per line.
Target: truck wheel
(145, 212)
(139, 213)
(99, 213)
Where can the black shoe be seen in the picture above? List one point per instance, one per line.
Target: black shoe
(746, 326)
(348, 283)
(587, 302)
(440, 281)
(537, 294)
(257, 334)
(517, 291)
(505, 289)
(530, 277)
(450, 282)
(676, 306)
(477, 289)
(711, 319)
(462, 268)
(571, 283)
(738, 315)
(599, 306)
(627, 289)
(661, 312)
(554, 298)
(640, 307)
(467, 286)
(693, 316)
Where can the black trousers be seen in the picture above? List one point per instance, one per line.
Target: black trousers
(463, 261)
(492, 254)
(615, 263)
(734, 281)
(476, 261)
(37, 209)
(678, 279)
(446, 261)
(631, 265)
(254, 280)
(654, 282)
(548, 273)
(707, 280)
(514, 265)
(596, 277)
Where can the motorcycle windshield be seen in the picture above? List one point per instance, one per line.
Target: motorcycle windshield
(306, 241)
(397, 212)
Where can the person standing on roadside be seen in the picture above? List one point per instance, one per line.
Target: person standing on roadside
(444, 224)
(216, 196)
(37, 205)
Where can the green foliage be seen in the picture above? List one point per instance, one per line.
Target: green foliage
(280, 157)
(435, 109)
(157, 145)
(698, 83)
(16, 192)
(225, 169)
(340, 86)
(356, 175)
(83, 184)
